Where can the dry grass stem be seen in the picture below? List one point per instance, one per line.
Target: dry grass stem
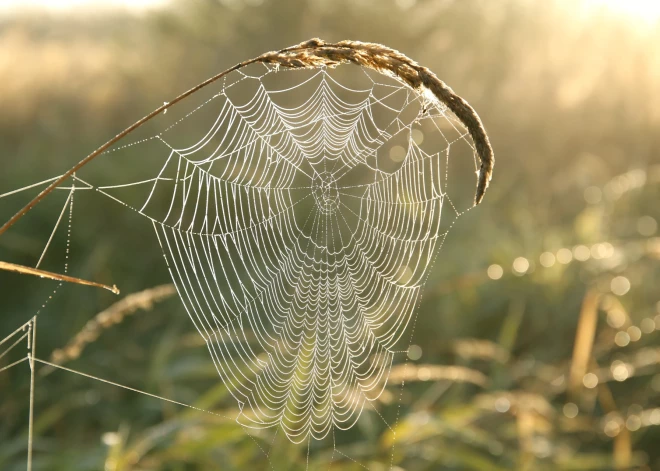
(53, 276)
(113, 315)
(480, 349)
(456, 374)
(584, 341)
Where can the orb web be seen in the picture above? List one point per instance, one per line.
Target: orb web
(298, 212)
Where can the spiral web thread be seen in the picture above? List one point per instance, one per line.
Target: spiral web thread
(299, 230)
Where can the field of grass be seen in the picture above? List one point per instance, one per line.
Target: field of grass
(538, 334)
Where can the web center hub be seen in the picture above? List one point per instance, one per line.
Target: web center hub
(326, 193)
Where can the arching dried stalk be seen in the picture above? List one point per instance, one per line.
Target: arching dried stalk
(453, 373)
(115, 314)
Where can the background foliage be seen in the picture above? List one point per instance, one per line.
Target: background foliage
(570, 95)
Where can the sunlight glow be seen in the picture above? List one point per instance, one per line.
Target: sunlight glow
(647, 10)
(67, 5)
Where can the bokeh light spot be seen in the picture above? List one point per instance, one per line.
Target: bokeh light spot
(620, 285)
(502, 404)
(590, 380)
(593, 195)
(620, 370)
(635, 333)
(414, 352)
(612, 428)
(564, 256)
(417, 136)
(647, 325)
(495, 272)
(570, 410)
(616, 318)
(633, 423)
(647, 226)
(547, 259)
(520, 265)
(581, 253)
(622, 339)
(397, 153)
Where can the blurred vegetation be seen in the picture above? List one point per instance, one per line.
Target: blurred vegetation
(539, 326)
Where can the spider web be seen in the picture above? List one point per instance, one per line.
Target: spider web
(299, 215)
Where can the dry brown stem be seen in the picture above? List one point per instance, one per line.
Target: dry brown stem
(53, 276)
(455, 374)
(109, 317)
(584, 342)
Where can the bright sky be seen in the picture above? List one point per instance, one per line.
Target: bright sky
(641, 10)
(647, 10)
(59, 5)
